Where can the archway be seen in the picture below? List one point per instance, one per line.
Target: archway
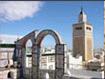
(28, 54)
(21, 53)
(28, 59)
(59, 54)
(10, 75)
(47, 53)
(36, 40)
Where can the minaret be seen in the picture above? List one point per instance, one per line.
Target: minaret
(83, 37)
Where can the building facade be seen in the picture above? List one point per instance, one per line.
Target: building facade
(83, 38)
(7, 67)
(47, 60)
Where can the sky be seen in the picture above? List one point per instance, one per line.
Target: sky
(20, 18)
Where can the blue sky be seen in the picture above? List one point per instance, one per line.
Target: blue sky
(59, 16)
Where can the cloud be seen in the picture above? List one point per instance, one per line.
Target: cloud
(10, 39)
(17, 10)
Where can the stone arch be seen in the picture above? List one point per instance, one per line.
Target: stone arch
(46, 32)
(20, 52)
(24, 40)
(59, 54)
(36, 45)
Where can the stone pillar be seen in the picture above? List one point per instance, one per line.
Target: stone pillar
(59, 61)
(19, 62)
(23, 61)
(35, 61)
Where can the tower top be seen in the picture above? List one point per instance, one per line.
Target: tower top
(81, 12)
(82, 16)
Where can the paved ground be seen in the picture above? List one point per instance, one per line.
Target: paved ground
(85, 74)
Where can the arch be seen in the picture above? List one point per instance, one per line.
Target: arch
(36, 40)
(30, 36)
(43, 33)
(28, 46)
(28, 54)
(10, 75)
(21, 52)
(59, 54)
(47, 75)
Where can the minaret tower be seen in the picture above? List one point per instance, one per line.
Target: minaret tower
(83, 38)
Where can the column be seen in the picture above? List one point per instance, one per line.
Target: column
(59, 61)
(19, 61)
(23, 61)
(35, 61)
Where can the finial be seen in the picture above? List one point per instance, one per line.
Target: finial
(81, 8)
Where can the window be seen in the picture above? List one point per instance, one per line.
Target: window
(78, 28)
(51, 58)
(88, 28)
(43, 59)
